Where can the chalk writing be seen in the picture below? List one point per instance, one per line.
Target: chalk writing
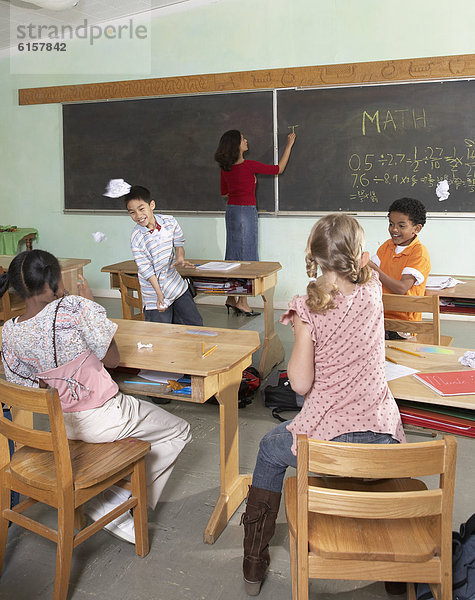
(373, 173)
(395, 119)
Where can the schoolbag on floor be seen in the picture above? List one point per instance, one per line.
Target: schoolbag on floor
(463, 565)
(281, 397)
(250, 382)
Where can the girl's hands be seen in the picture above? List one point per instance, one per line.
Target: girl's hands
(83, 288)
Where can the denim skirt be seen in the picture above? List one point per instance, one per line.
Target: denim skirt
(241, 232)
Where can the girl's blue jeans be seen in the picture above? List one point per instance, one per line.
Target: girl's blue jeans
(275, 456)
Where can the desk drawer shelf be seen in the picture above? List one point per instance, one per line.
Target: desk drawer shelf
(201, 389)
(224, 287)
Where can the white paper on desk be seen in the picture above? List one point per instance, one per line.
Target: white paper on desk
(441, 282)
(218, 266)
(159, 376)
(394, 371)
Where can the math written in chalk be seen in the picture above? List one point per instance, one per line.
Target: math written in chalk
(376, 174)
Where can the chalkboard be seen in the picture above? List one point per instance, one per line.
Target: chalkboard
(357, 148)
(165, 144)
(360, 148)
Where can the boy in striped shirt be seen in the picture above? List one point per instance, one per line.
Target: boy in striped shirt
(157, 244)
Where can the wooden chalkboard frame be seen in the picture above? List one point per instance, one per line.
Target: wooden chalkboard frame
(389, 71)
(439, 68)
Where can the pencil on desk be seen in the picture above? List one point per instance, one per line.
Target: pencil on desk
(406, 351)
(208, 351)
(391, 360)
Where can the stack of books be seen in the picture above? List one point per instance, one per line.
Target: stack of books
(210, 285)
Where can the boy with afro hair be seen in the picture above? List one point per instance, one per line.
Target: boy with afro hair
(403, 263)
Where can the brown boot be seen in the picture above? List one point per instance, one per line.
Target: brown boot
(259, 526)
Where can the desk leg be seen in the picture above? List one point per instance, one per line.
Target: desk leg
(233, 485)
(272, 350)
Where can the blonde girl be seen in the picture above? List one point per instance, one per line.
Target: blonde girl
(337, 363)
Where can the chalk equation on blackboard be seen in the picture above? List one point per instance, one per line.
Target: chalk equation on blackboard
(426, 166)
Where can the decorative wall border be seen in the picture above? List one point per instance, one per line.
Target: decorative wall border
(389, 71)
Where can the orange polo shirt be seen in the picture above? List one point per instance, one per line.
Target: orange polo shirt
(414, 257)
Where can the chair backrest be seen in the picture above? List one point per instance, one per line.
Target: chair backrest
(10, 304)
(426, 304)
(40, 401)
(131, 297)
(373, 461)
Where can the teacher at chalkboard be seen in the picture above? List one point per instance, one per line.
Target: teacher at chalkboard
(238, 184)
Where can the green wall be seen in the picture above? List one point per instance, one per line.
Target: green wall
(207, 37)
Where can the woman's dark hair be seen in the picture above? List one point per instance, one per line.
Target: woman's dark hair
(228, 149)
(137, 192)
(28, 273)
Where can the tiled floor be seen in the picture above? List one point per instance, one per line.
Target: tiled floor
(179, 566)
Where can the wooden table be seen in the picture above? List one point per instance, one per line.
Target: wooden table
(178, 348)
(70, 269)
(263, 278)
(409, 388)
(462, 291)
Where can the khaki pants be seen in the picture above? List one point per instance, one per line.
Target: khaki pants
(124, 416)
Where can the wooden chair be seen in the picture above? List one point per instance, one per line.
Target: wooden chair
(382, 530)
(131, 297)
(427, 332)
(10, 304)
(46, 468)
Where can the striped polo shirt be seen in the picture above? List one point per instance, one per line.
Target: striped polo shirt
(154, 254)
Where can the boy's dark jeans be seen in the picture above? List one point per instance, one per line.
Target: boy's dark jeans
(182, 312)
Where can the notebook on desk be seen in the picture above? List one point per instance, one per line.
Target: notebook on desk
(218, 266)
(450, 383)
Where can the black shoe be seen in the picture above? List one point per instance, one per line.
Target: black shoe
(251, 313)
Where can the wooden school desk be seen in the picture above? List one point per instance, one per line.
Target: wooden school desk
(409, 388)
(178, 348)
(460, 292)
(263, 279)
(70, 269)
